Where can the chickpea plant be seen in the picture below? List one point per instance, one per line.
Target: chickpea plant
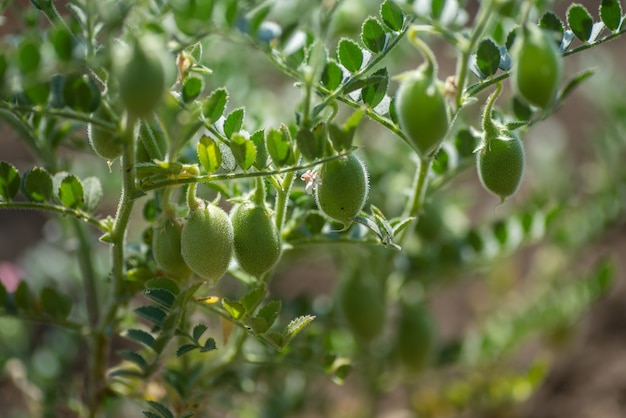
(228, 198)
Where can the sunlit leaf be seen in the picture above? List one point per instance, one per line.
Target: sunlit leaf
(243, 150)
(350, 55)
(611, 14)
(214, 106)
(373, 35)
(234, 121)
(392, 15)
(71, 192)
(209, 154)
(580, 21)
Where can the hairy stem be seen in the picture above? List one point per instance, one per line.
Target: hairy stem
(100, 341)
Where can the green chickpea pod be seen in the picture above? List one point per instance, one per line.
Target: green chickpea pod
(342, 189)
(207, 241)
(537, 69)
(257, 242)
(500, 156)
(421, 105)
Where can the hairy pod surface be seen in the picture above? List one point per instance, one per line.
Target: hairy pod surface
(422, 112)
(537, 69)
(342, 188)
(207, 242)
(141, 76)
(166, 249)
(106, 144)
(257, 242)
(500, 162)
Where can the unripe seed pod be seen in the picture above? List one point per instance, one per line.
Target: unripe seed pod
(342, 188)
(257, 241)
(106, 144)
(422, 111)
(537, 69)
(415, 342)
(500, 162)
(141, 76)
(207, 242)
(362, 303)
(166, 243)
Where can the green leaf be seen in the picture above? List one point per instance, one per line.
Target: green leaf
(24, 299)
(488, 57)
(311, 143)
(161, 409)
(350, 55)
(9, 181)
(269, 312)
(163, 283)
(38, 93)
(275, 338)
(192, 88)
(243, 150)
(54, 303)
(611, 14)
(187, 414)
(253, 298)
(197, 332)
(134, 357)
(149, 414)
(341, 373)
(550, 21)
(183, 349)
(372, 94)
(278, 144)
(209, 154)
(234, 308)
(580, 21)
(62, 42)
(258, 325)
(295, 326)
(262, 158)
(373, 35)
(92, 193)
(152, 313)
(574, 82)
(332, 76)
(436, 8)
(392, 15)
(209, 345)
(214, 106)
(342, 137)
(141, 337)
(71, 192)
(234, 121)
(28, 56)
(163, 297)
(81, 93)
(520, 109)
(465, 143)
(401, 225)
(37, 184)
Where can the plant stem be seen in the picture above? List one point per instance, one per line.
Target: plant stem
(484, 16)
(100, 341)
(282, 196)
(418, 198)
(62, 210)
